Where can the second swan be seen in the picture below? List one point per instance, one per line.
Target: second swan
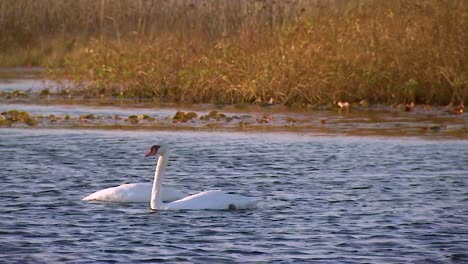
(214, 200)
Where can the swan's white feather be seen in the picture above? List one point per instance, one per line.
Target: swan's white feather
(134, 193)
(210, 200)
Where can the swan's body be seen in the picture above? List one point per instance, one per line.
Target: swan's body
(208, 200)
(133, 193)
(214, 200)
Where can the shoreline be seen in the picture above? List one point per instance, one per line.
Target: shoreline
(34, 98)
(39, 108)
(375, 121)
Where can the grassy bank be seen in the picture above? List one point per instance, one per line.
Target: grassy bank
(296, 53)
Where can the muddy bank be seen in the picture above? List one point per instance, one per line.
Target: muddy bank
(434, 124)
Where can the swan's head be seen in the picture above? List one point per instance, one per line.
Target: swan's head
(158, 150)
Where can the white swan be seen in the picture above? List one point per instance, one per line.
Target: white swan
(215, 200)
(134, 193)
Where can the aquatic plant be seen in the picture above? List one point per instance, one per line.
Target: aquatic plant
(133, 119)
(191, 115)
(3, 120)
(14, 116)
(214, 115)
(31, 121)
(87, 116)
(146, 117)
(45, 92)
(181, 116)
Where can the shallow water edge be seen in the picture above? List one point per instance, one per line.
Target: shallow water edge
(355, 123)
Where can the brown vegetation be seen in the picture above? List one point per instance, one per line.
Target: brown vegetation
(296, 53)
(14, 116)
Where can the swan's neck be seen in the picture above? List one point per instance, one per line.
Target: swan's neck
(156, 201)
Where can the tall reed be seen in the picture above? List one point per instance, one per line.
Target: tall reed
(299, 53)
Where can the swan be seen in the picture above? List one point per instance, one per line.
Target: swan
(214, 200)
(133, 193)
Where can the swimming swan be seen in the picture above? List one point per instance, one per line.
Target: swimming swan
(134, 193)
(214, 200)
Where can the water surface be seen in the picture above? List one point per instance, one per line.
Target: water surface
(23, 79)
(323, 199)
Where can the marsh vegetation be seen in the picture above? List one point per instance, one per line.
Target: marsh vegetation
(300, 54)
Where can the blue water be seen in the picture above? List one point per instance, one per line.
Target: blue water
(321, 199)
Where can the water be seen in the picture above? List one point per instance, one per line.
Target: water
(322, 199)
(74, 110)
(24, 79)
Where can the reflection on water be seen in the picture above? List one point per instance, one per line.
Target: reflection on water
(324, 199)
(23, 79)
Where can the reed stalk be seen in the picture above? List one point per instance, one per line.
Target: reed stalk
(298, 53)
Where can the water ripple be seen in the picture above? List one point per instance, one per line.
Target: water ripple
(322, 199)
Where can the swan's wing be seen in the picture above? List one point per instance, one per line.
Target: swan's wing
(125, 193)
(134, 193)
(211, 200)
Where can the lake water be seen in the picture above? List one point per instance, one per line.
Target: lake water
(322, 199)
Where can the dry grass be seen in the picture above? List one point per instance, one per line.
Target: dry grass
(300, 53)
